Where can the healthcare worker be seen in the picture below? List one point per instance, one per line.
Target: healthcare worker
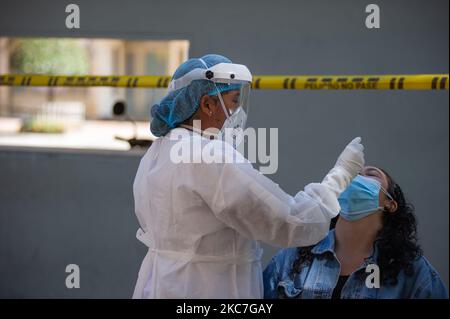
(202, 220)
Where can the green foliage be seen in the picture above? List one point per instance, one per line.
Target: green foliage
(41, 126)
(49, 56)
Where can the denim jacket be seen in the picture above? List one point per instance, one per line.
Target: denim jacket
(318, 279)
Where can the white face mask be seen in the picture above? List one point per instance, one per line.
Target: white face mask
(232, 130)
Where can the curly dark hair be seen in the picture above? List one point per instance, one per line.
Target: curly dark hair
(397, 241)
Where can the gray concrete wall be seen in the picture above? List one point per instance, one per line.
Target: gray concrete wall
(67, 207)
(407, 133)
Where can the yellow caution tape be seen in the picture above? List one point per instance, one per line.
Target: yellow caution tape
(83, 81)
(263, 82)
(353, 82)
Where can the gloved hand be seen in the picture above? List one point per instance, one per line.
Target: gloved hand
(352, 158)
(348, 165)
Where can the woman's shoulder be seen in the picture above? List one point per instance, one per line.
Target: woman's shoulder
(427, 281)
(422, 267)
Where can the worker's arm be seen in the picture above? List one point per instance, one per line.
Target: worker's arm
(256, 207)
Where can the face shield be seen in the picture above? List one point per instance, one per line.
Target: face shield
(234, 99)
(232, 84)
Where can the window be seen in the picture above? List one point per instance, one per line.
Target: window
(63, 114)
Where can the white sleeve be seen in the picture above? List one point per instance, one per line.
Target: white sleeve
(256, 207)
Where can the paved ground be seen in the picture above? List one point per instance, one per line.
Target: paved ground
(87, 135)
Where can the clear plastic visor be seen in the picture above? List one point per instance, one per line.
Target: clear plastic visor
(233, 95)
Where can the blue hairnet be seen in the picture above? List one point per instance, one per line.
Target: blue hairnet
(179, 105)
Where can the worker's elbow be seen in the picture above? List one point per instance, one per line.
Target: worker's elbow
(309, 234)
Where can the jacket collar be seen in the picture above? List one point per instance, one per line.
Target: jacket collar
(328, 245)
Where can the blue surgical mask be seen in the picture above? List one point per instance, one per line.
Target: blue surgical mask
(361, 198)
